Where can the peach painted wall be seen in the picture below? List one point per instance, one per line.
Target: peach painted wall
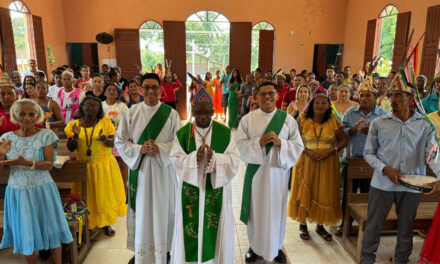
(51, 12)
(317, 21)
(359, 12)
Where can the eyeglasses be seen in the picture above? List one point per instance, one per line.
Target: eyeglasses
(148, 87)
(271, 93)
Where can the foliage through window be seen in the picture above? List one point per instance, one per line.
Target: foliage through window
(151, 42)
(19, 19)
(388, 18)
(256, 42)
(207, 42)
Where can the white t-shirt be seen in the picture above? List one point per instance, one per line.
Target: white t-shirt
(115, 111)
(53, 92)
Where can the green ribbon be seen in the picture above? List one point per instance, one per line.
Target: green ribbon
(191, 196)
(151, 131)
(275, 125)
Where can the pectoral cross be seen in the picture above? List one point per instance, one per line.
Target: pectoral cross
(190, 207)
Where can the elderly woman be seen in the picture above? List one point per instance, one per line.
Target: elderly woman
(92, 136)
(69, 97)
(34, 217)
(315, 195)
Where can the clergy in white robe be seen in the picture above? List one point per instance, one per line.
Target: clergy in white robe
(265, 211)
(150, 223)
(204, 228)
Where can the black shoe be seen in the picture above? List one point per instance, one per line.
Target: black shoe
(45, 254)
(281, 258)
(131, 260)
(250, 256)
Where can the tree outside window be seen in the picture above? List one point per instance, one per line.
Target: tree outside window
(388, 18)
(19, 19)
(151, 44)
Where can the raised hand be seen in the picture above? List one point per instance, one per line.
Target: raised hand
(76, 129)
(5, 146)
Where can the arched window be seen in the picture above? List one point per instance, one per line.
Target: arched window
(19, 19)
(263, 25)
(388, 18)
(207, 42)
(151, 42)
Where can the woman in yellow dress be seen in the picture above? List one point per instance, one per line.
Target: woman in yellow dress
(209, 84)
(92, 136)
(315, 195)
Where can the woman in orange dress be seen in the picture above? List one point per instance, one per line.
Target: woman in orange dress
(218, 109)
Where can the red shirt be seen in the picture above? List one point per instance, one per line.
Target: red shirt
(7, 125)
(80, 81)
(290, 96)
(169, 91)
(281, 94)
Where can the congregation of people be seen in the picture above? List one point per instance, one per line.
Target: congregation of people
(294, 133)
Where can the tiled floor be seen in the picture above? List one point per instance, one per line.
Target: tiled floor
(113, 250)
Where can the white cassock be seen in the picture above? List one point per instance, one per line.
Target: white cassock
(150, 227)
(267, 216)
(226, 167)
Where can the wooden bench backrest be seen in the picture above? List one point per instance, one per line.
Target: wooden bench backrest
(72, 171)
(358, 168)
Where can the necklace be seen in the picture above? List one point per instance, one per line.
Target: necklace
(318, 137)
(204, 136)
(89, 142)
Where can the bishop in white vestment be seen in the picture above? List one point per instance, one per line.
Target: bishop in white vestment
(205, 159)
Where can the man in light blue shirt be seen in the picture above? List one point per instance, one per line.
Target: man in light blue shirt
(224, 80)
(356, 122)
(430, 103)
(397, 144)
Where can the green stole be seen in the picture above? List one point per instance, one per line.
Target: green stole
(275, 125)
(151, 131)
(213, 198)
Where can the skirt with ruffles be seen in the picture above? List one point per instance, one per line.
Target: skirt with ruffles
(34, 219)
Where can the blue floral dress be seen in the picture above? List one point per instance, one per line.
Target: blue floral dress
(33, 213)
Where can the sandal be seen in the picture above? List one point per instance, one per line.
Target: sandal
(304, 233)
(109, 231)
(323, 233)
(337, 230)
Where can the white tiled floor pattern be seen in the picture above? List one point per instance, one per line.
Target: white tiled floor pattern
(113, 250)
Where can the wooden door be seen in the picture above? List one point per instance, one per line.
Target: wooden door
(372, 40)
(240, 46)
(9, 61)
(265, 50)
(175, 51)
(429, 63)
(401, 38)
(39, 49)
(128, 52)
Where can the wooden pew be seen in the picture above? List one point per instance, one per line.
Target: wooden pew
(357, 204)
(72, 171)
